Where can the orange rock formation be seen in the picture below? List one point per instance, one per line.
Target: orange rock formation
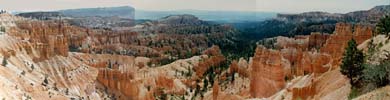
(297, 57)
(344, 32)
(267, 75)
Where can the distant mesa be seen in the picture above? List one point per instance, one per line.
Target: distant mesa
(122, 12)
(41, 15)
(215, 16)
(108, 17)
(185, 19)
(126, 12)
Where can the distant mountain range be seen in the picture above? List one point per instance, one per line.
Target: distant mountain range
(122, 12)
(181, 20)
(127, 12)
(305, 23)
(364, 16)
(218, 16)
(132, 13)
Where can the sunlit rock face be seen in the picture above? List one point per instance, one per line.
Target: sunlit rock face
(131, 78)
(344, 32)
(301, 56)
(49, 38)
(267, 75)
(314, 62)
(45, 45)
(271, 68)
(298, 42)
(317, 40)
(36, 64)
(328, 85)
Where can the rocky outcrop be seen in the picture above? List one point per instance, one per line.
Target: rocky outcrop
(344, 32)
(55, 76)
(126, 76)
(215, 90)
(295, 61)
(267, 75)
(362, 33)
(317, 40)
(329, 85)
(313, 62)
(300, 62)
(215, 59)
(301, 49)
(58, 77)
(298, 42)
(49, 38)
(119, 74)
(303, 87)
(162, 47)
(314, 41)
(36, 60)
(8, 20)
(332, 84)
(299, 56)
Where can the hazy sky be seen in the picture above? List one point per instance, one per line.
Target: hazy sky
(339, 6)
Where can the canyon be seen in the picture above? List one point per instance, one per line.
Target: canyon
(176, 57)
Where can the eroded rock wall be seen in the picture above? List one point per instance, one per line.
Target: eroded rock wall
(344, 32)
(36, 64)
(303, 55)
(267, 75)
(57, 77)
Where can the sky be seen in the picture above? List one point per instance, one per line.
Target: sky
(287, 6)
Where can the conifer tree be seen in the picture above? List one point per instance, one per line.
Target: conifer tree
(352, 62)
(4, 63)
(383, 27)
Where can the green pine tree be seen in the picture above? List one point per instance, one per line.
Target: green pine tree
(383, 27)
(4, 63)
(352, 63)
(2, 29)
(205, 84)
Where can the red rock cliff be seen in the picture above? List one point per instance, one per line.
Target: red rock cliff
(267, 75)
(344, 32)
